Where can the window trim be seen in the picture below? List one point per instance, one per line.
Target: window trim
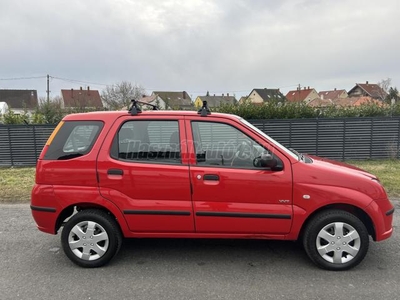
(58, 143)
(114, 149)
(229, 166)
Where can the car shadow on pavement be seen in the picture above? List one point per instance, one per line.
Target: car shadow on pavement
(211, 251)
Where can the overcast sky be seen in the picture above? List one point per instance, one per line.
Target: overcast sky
(221, 46)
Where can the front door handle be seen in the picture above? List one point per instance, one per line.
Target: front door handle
(212, 177)
(115, 172)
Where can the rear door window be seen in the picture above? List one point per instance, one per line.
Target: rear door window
(148, 141)
(74, 139)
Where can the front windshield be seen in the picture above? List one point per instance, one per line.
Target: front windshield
(269, 138)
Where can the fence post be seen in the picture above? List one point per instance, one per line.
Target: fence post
(10, 143)
(344, 139)
(317, 138)
(34, 141)
(371, 138)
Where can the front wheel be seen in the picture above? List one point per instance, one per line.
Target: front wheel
(91, 238)
(336, 240)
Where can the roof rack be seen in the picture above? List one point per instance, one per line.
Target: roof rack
(136, 109)
(204, 110)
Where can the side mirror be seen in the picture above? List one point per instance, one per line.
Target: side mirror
(265, 161)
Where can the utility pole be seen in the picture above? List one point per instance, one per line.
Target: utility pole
(48, 88)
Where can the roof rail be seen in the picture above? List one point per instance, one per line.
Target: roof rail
(204, 110)
(135, 108)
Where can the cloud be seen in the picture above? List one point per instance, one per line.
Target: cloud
(221, 46)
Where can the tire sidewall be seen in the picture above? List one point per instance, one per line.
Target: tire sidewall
(100, 218)
(320, 222)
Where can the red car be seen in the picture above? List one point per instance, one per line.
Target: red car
(105, 176)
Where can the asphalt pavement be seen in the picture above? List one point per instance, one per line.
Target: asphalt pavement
(33, 266)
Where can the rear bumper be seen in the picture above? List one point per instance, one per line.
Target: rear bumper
(45, 215)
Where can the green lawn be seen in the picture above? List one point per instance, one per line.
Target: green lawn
(16, 183)
(388, 172)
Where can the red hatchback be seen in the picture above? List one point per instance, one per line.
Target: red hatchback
(179, 174)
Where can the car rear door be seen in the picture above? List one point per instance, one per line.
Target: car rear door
(230, 195)
(143, 169)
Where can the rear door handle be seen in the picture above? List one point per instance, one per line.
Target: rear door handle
(212, 177)
(115, 172)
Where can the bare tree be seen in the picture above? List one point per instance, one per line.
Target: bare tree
(120, 95)
(384, 85)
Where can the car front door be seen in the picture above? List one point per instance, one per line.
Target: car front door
(143, 169)
(231, 194)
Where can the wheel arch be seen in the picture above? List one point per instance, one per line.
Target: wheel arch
(354, 210)
(68, 211)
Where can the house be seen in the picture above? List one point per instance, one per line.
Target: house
(175, 100)
(3, 108)
(368, 89)
(153, 100)
(318, 102)
(82, 98)
(214, 101)
(20, 101)
(333, 94)
(300, 95)
(243, 100)
(259, 96)
(357, 101)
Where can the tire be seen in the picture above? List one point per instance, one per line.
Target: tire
(91, 238)
(336, 240)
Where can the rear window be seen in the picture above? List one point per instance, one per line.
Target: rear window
(74, 139)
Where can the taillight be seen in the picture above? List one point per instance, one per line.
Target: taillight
(50, 139)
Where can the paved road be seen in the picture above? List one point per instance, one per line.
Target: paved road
(32, 266)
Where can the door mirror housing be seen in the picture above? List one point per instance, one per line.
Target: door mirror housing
(266, 161)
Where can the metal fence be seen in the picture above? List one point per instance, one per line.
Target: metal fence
(336, 138)
(20, 145)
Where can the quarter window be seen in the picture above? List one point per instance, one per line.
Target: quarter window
(74, 139)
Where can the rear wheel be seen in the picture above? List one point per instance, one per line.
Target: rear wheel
(336, 240)
(91, 238)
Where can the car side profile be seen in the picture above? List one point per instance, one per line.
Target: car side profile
(105, 176)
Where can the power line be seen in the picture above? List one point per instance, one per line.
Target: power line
(23, 78)
(78, 81)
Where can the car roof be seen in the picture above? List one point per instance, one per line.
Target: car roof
(112, 115)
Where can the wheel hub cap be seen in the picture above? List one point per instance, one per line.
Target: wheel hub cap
(88, 240)
(338, 243)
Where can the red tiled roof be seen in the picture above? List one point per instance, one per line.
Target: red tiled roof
(298, 95)
(356, 101)
(318, 102)
(81, 98)
(148, 99)
(330, 94)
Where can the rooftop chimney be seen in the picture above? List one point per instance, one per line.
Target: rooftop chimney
(184, 95)
(72, 93)
(227, 94)
(222, 95)
(334, 89)
(81, 88)
(366, 82)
